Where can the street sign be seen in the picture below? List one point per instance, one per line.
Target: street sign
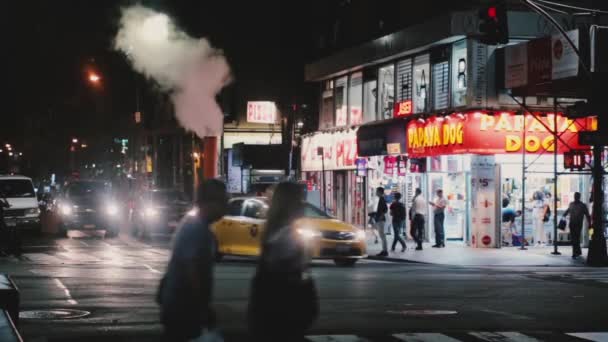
(594, 138)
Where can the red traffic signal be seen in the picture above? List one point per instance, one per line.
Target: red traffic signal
(493, 26)
(574, 160)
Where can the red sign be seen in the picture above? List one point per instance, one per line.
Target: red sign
(403, 108)
(482, 133)
(261, 112)
(486, 240)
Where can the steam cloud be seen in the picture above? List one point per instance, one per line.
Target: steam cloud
(191, 69)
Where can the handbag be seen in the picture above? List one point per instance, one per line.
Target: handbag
(562, 224)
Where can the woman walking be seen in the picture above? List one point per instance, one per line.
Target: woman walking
(283, 302)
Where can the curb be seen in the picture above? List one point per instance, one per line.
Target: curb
(400, 260)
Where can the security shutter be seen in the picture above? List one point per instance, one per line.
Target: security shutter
(404, 80)
(441, 85)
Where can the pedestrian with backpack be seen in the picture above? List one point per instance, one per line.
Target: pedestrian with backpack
(397, 210)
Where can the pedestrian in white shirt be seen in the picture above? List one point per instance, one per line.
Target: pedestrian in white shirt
(417, 216)
(538, 215)
(439, 206)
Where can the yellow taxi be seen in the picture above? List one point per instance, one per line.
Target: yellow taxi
(240, 232)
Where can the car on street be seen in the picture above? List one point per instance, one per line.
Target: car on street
(20, 193)
(240, 231)
(88, 205)
(159, 211)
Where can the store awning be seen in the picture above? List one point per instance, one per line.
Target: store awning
(379, 139)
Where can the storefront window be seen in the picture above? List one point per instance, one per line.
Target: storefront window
(459, 73)
(341, 101)
(386, 77)
(421, 83)
(326, 119)
(355, 98)
(370, 103)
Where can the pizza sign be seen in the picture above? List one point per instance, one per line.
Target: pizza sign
(261, 112)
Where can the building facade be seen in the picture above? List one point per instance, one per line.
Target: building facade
(424, 108)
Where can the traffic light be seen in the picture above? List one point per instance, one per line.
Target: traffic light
(574, 160)
(493, 27)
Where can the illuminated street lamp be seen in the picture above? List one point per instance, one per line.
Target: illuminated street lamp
(10, 154)
(7, 145)
(94, 78)
(74, 141)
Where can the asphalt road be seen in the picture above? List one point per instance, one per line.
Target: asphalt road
(115, 281)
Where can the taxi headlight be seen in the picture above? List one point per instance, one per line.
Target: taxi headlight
(307, 233)
(112, 209)
(360, 234)
(65, 209)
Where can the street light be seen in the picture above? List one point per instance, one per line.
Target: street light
(74, 141)
(94, 78)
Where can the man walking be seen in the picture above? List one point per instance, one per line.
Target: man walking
(186, 289)
(398, 214)
(578, 211)
(417, 214)
(438, 218)
(381, 210)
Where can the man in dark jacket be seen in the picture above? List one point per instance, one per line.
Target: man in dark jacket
(381, 211)
(398, 213)
(186, 290)
(577, 211)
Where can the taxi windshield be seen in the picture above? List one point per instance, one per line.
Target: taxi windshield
(314, 212)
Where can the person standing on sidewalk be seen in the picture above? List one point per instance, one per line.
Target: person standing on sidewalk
(380, 218)
(185, 291)
(438, 218)
(538, 216)
(417, 213)
(398, 214)
(578, 211)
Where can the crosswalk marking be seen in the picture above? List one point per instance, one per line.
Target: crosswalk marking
(503, 337)
(336, 338)
(424, 337)
(592, 336)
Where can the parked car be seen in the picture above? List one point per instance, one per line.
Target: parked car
(21, 196)
(88, 205)
(240, 231)
(159, 211)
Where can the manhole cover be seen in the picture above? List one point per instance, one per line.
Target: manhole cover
(53, 314)
(423, 312)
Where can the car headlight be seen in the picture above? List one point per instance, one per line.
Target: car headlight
(33, 211)
(150, 212)
(307, 233)
(192, 212)
(360, 234)
(65, 209)
(112, 209)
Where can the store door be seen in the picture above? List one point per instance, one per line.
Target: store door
(340, 195)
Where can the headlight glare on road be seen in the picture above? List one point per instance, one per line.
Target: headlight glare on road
(150, 212)
(112, 209)
(360, 234)
(65, 209)
(308, 233)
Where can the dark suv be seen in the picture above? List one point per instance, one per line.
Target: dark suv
(88, 205)
(159, 211)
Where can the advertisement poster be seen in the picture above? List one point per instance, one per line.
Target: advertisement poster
(484, 227)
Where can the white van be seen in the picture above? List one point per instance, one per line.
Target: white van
(20, 194)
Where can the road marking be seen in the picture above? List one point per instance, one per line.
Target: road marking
(507, 314)
(66, 291)
(424, 337)
(503, 337)
(336, 338)
(152, 269)
(592, 336)
(84, 243)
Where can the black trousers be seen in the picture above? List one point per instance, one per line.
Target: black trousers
(417, 230)
(397, 226)
(439, 230)
(575, 235)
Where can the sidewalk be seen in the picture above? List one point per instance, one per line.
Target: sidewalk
(458, 254)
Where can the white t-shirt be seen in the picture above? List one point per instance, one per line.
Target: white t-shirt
(419, 205)
(440, 202)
